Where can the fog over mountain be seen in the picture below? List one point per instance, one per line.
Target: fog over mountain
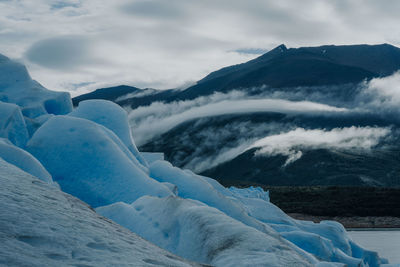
(292, 108)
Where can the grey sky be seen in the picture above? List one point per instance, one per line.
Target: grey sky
(167, 43)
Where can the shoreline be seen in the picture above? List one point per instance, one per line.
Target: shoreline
(355, 223)
(371, 229)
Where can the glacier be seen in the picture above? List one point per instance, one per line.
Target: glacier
(42, 226)
(46, 148)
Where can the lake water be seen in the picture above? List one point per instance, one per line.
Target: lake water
(386, 243)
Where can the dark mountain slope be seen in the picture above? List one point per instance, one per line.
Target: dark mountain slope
(110, 93)
(128, 95)
(283, 72)
(204, 139)
(316, 167)
(145, 100)
(382, 59)
(305, 66)
(279, 68)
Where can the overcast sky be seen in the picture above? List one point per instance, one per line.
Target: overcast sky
(80, 45)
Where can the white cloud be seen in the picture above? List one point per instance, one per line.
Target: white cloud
(158, 118)
(292, 143)
(158, 44)
(200, 164)
(382, 95)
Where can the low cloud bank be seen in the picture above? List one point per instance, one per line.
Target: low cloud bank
(213, 144)
(227, 142)
(158, 118)
(381, 95)
(292, 143)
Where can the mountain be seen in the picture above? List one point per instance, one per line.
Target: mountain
(378, 59)
(284, 68)
(294, 99)
(305, 66)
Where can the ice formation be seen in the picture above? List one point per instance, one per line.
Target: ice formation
(35, 101)
(89, 161)
(16, 86)
(250, 192)
(111, 116)
(23, 160)
(327, 241)
(12, 124)
(91, 154)
(150, 157)
(203, 234)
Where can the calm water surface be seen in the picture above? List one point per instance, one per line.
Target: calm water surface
(386, 243)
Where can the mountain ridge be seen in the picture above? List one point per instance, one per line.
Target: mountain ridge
(304, 66)
(281, 67)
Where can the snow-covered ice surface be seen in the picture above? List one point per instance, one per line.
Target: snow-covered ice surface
(327, 241)
(90, 153)
(200, 233)
(195, 187)
(42, 226)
